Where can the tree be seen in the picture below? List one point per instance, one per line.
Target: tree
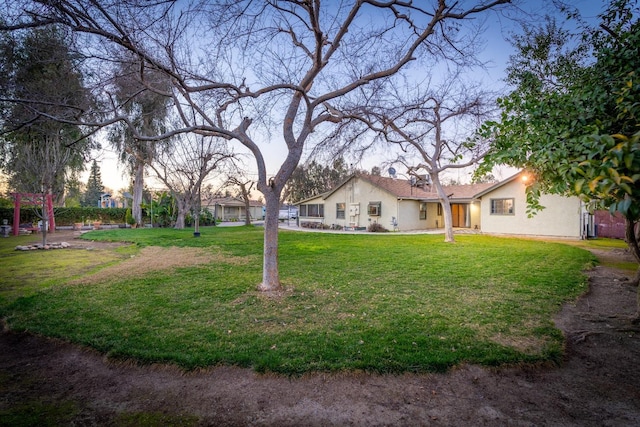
(183, 165)
(435, 131)
(278, 68)
(146, 111)
(39, 153)
(314, 178)
(573, 119)
(94, 187)
(245, 186)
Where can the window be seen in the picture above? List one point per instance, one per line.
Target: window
(312, 210)
(374, 208)
(423, 210)
(340, 208)
(502, 206)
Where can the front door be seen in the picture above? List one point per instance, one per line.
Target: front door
(459, 214)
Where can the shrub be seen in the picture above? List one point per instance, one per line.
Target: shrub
(375, 227)
(128, 218)
(68, 216)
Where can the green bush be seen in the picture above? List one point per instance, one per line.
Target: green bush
(375, 227)
(68, 216)
(128, 218)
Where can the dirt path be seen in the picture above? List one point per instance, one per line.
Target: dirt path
(597, 385)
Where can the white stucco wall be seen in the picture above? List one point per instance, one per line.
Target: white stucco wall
(318, 200)
(475, 214)
(361, 192)
(409, 216)
(560, 218)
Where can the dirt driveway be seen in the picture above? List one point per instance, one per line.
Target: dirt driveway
(597, 385)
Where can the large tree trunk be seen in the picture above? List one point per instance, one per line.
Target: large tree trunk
(183, 208)
(45, 218)
(138, 187)
(270, 275)
(247, 210)
(179, 220)
(632, 241)
(446, 208)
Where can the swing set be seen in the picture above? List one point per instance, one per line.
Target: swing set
(32, 199)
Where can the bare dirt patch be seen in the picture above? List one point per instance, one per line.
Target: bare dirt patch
(154, 258)
(74, 240)
(598, 384)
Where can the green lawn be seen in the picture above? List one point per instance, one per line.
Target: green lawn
(380, 303)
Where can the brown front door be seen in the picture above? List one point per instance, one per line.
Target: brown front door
(458, 212)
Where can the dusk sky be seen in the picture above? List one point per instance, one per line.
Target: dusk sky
(496, 54)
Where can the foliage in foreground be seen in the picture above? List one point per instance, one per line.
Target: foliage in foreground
(573, 119)
(381, 303)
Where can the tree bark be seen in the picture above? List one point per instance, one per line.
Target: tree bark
(446, 208)
(183, 208)
(138, 187)
(631, 237)
(247, 204)
(45, 217)
(270, 275)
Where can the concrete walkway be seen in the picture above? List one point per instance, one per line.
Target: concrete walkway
(293, 227)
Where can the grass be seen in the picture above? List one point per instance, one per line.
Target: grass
(25, 273)
(608, 256)
(379, 303)
(37, 413)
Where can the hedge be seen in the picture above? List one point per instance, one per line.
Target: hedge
(68, 216)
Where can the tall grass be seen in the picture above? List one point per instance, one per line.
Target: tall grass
(380, 303)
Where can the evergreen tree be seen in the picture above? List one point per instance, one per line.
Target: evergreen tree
(314, 178)
(39, 148)
(94, 187)
(146, 110)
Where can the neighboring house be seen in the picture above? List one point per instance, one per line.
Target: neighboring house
(399, 204)
(233, 209)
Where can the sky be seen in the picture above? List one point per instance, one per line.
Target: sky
(496, 55)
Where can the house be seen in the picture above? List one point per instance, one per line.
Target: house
(504, 211)
(233, 209)
(400, 204)
(394, 203)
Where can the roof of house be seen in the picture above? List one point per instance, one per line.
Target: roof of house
(317, 196)
(499, 184)
(403, 189)
(232, 201)
(467, 191)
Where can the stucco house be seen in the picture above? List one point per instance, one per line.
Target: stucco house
(233, 209)
(504, 211)
(399, 204)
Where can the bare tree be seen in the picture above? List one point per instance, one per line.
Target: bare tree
(147, 110)
(244, 186)
(253, 71)
(438, 132)
(184, 165)
(431, 130)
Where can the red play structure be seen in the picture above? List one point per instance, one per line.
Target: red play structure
(32, 199)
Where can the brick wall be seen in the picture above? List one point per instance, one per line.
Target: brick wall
(609, 225)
